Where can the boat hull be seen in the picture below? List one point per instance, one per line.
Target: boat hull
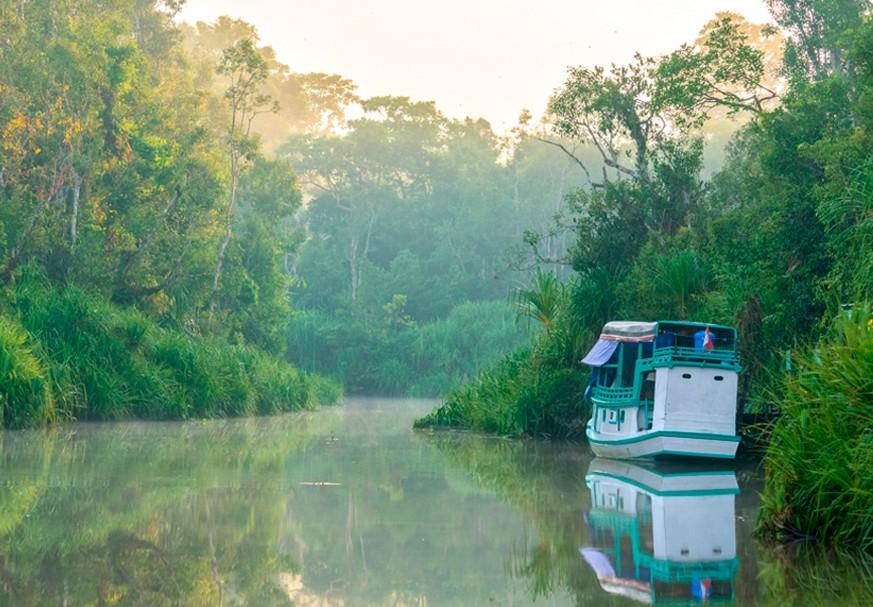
(665, 444)
(666, 479)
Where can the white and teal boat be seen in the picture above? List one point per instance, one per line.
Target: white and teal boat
(660, 535)
(665, 388)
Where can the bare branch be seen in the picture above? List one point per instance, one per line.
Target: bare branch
(610, 161)
(576, 159)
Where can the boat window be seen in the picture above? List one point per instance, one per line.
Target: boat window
(647, 349)
(665, 339)
(686, 376)
(648, 390)
(607, 373)
(628, 364)
(718, 378)
(607, 376)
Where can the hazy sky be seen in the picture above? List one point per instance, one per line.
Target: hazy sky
(485, 58)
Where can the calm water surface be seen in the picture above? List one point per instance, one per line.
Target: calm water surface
(347, 506)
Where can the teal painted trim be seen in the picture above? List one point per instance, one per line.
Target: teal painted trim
(619, 372)
(615, 404)
(682, 571)
(648, 489)
(693, 454)
(667, 434)
(651, 470)
(699, 473)
(670, 364)
(728, 600)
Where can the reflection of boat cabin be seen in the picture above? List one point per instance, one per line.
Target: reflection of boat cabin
(672, 544)
(665, 376)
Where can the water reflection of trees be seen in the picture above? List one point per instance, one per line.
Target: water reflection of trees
(146, 514)
(547, 482)
(214, 513)
(334, 508)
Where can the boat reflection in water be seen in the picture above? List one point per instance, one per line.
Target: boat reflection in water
(662, 534)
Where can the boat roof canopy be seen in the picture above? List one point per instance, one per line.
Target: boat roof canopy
(629, 331)
(633, 331)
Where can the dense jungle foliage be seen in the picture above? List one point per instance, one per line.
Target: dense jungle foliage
(142, 228)
(777, 243)
(772, 243)
(417, 221)
(184, 171)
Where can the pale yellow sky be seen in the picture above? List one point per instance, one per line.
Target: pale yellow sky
(488, 58)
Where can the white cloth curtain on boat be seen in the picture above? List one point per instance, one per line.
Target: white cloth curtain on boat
(600, 354)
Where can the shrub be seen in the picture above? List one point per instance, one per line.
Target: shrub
(26, 397)
(818, 480)
(100, 361)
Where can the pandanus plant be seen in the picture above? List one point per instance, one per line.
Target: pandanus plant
(543, 301)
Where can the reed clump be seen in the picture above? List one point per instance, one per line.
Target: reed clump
(26, 397)
(66, 354)
(818, 462)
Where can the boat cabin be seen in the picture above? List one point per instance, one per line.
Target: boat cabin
(662, 536)
(664, 376)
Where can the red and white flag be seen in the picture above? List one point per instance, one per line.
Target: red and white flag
(707, 340)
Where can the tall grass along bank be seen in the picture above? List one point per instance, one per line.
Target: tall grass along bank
(818, 463)
(65, 354)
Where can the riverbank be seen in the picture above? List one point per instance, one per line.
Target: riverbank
(68, 355)
(818, 481)
(816, 452)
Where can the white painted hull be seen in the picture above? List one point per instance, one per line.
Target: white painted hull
(653, 444)
(674, 479)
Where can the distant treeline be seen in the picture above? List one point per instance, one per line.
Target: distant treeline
(411, 214)
(414, 241)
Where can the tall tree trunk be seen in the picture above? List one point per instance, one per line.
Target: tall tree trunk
(74, 210)
(355, 260)
(352, 257)
(228, 228)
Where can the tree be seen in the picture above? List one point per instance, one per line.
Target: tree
(247, 72)
(814, 30)
(723, 70)
(613, 111)
(313, 103)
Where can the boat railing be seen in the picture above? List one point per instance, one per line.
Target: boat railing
(671, 356)
(679, 571)
(614, 397)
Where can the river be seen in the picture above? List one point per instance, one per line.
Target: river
(347, 506)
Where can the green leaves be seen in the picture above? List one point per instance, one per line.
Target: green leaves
(26, 390)
(722, 71)
(817, 481)
(544, 301)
